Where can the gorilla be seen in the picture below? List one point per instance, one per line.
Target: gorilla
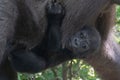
(36, 35)
(36, 59)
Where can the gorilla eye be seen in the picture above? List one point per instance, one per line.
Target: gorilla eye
(82, 35)
(76, 42)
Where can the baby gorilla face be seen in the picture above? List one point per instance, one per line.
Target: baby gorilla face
(87, 40)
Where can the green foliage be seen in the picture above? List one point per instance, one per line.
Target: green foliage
(118, 17)
(71, 70)
(117, 28)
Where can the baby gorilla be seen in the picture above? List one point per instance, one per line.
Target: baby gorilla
(24, 60)
(86, 41)
(50, 53)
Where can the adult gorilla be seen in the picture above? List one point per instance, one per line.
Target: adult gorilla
(95, 14)
(101, 15)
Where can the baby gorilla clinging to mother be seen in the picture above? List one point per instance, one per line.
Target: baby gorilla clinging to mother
(49, 52)
(32, 61)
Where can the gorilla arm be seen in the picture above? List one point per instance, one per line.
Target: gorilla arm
(7, 21)
(8, 15)
(107, 60)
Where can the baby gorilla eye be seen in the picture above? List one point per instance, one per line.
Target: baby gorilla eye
(83, 34)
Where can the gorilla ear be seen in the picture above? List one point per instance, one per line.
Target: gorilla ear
(116, 1)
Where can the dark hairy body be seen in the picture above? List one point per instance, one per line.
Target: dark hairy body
(31, 47)
(79, 18)
(33, 60)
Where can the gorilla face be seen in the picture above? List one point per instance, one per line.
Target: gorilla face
(87, 40)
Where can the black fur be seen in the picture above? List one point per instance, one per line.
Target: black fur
(31, 61)
(28, 49)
